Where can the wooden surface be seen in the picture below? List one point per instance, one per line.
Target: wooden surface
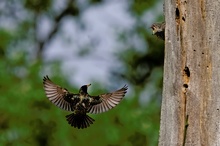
(191, 86)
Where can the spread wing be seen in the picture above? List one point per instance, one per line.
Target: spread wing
(108, 101)
(57, 95)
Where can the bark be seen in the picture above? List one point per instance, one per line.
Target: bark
(190, 111)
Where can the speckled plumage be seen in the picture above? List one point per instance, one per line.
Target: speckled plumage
(82, 103)
(159, 30)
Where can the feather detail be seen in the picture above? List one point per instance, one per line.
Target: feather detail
(56, 94)
(109, 101)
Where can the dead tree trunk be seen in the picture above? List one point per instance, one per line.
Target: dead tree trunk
(190, 113)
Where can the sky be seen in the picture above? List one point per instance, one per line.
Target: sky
(98, 37)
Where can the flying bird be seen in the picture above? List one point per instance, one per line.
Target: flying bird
(159, 30)
(82, 103)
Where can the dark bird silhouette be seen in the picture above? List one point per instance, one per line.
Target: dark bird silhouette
(82, 103)
(159, 30)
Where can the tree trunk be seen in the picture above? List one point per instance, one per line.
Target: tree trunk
(190, 113)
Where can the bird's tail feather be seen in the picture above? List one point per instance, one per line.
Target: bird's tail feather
(79, 121)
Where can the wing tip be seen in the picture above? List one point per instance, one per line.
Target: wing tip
(125, 86)
(46, 78)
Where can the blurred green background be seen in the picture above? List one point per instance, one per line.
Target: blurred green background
(28, 118)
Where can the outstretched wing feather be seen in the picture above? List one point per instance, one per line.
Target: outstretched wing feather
(56, 94)
(109, 101)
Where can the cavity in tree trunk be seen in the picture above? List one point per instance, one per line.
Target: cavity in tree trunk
(190, 113)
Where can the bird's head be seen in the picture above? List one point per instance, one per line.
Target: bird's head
(83, 89)
(157, 27)
(159, 30)
(153, 27)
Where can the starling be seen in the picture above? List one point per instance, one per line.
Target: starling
(82, 103)
(159, 30)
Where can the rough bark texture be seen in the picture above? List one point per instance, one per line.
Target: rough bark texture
(190, 113)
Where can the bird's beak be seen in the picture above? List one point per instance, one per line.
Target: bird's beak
(88, 85)
(153, 29)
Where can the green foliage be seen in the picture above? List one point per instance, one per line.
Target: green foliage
(140, 6)
(28, 118)
(37, 5)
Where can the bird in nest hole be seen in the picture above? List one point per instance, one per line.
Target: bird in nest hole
(82, 103)
(159, 30)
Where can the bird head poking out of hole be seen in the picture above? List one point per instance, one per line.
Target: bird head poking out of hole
(154, 28)
(159, 30)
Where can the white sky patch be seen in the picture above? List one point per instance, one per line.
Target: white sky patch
(102, 23)
(58, 5)
(42, 32)
(99, 35)
(149, 16)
